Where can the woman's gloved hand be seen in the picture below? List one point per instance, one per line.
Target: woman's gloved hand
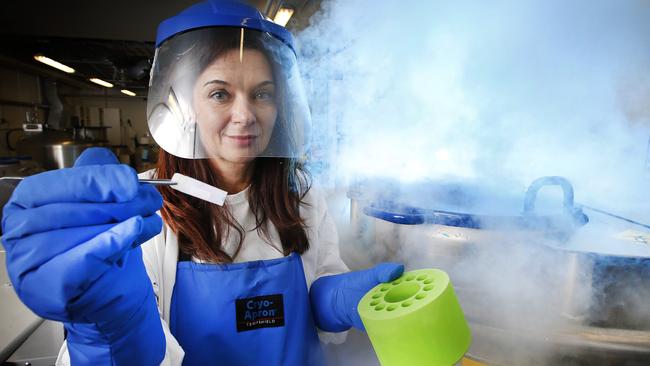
(334, 299)
(72, 239)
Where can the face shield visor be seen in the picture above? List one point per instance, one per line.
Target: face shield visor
(227, 92)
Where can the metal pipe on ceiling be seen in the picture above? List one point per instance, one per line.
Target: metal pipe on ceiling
(272, 7)
(267, 7)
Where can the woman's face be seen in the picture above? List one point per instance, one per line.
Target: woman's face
(235, 106)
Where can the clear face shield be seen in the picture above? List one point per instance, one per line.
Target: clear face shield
(230, 93)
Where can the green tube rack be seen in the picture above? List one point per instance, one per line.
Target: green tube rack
(416, 320)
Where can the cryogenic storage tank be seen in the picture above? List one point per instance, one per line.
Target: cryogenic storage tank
(530, 269)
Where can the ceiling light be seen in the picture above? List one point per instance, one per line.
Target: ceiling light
(55, 64)
(128, 92)
(283, 15)
(101, 82)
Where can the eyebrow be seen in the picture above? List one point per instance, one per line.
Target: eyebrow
(221, 82)
(265, 83)
(216, 81)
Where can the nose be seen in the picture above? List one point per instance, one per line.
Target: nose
(242, 112)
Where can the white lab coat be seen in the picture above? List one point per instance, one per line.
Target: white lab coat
(160, 256)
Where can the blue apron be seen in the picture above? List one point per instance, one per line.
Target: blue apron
(251, 313)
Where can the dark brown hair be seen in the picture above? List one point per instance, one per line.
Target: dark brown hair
(278, 185)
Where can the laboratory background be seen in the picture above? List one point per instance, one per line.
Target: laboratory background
(506, 143)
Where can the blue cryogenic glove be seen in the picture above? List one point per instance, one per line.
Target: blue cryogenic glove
(334, 299)
(72, 239)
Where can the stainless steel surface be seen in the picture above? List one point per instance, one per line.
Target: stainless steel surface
(64, 154)
(447, 244)
(18, 322)
(571, 346)
(42, 346)
(156, 182)
(606, 273)
(53, 149)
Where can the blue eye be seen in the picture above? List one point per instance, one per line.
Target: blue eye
(264, 95)
(220, 95)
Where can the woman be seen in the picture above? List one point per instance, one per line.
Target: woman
(212, 285)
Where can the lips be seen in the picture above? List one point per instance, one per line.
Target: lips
(242, 140)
